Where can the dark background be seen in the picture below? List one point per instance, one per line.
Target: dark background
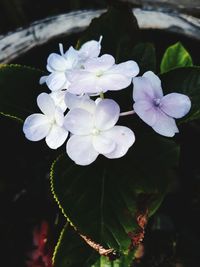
(172, 236)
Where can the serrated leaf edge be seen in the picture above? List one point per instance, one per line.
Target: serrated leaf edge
(54, 193)
(11, 117)
(58, 243)
(3, 66)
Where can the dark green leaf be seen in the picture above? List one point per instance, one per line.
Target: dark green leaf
(122, 262)
(103, 199)
(185, 81)
(175, 56)
(119, 29)
(144, 55)
(72, 251)
(19, 88)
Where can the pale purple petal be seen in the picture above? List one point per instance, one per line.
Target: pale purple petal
(73, 101)
(56, 81)
(165, 125)
(79, 121)
(113, 82)
(146, 111)
(46, 104)
(49, 68)
(154, 80)
(59, 116)
(102, 63)
(129, 68)
(124, 139)
(59, 99)
(61, 49)
(43, 79)
(90, 49)
(143, 90)
(36, 127)
(75, 75)
(103, 144)
(81, 150)
(175, 105)
(56, 137)
(86, 83)
(71, 57)
(107, 114)
(57, 62)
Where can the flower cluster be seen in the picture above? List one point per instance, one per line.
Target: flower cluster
(78, 80)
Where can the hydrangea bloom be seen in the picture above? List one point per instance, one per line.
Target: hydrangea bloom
(102, 74)
(156, 110)
(94, 132)
(48, 125)
(77, 75)
(60, 65)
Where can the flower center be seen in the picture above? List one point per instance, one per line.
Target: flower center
(99, 73)
(95, 131)
(156, 102)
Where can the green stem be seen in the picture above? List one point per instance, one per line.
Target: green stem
(102, 95)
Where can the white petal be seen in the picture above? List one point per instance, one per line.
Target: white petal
(49, 68)
(83, 82)
(146, 111)
(36, 127)
(61, 49)
(165, 125)
(103, 144)
(124, 139)
(46, 104)
(79, 121)
(106, 114)
(81, 150)
(43, 79)
(56, 137)
(57, 62)
(59, 99)
(129, 68)
(59, 116)
(113, 82)
(71, 57)
(154, 79)
(102, 63)
(56, 81)
(73, 101)
(143, 90)
(175, 105)
(90, 49)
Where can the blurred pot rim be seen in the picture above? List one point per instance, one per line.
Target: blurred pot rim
(18, 42)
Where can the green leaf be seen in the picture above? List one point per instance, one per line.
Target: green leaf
(19, 88)
(102, 200)
(174, 57)
(122, 262)
(144, 54)
(72, 251)
(119, 29)
(185, 81)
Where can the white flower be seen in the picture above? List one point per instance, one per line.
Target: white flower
(59, 99)
(90, 49)
(156, 110)
(102, 74)
(94, 132)
(60, 65)
(48, 125)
